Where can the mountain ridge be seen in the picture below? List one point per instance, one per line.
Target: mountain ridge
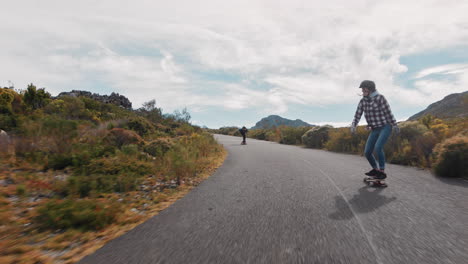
(452, 106)
(276, 120)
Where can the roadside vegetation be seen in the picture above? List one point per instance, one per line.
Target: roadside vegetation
(77, 172)
(441, 145)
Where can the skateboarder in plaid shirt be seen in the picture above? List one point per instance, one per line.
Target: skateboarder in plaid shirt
(380, 121)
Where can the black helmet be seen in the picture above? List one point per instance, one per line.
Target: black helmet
(368, 84)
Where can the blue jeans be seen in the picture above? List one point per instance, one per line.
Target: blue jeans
(375, 142)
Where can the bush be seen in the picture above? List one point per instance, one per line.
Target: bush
(258, 134)
(59, 162)
(7, 122)
(140, 125)
(451, 156)
(413, 146)
(227, 130)
(20, 190)
(189, 155)
(83, 153)
(412, 129)
(130, 150)
(91, 184)
(60, 132)
(292, 135)
(341, 140)
(316, 137)
(36, 98)
(158, 147)
(119, 137)
(118, 165)
(81, 214)
(184, 130)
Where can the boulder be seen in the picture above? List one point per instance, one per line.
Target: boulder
(316, 137)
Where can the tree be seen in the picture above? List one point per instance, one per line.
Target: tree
(183, 117)
(151, 112)
(36, 98)
(6, 98)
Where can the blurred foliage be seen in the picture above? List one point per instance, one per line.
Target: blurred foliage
(119, 137)
(75, 164)
(413, 146)
(158, 147)
(100, 148)
(77, 214)
(9, 102)
(451, 156)
(292, 135)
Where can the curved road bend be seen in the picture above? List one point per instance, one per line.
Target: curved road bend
(272, 203)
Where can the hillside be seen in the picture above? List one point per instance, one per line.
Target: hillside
(275, 121)
(452, 106)
(80, 169)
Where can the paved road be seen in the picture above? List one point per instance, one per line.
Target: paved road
(272, 203)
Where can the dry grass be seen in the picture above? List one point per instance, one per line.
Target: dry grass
(21, 243)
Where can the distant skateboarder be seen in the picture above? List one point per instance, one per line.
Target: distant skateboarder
(243, 132)
(380, 121)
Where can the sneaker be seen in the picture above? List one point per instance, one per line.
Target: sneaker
(373, 172)
(380, 175)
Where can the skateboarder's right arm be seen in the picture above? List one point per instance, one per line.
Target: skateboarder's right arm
(358, 114)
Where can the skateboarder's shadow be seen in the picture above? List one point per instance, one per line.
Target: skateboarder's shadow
(367, 200)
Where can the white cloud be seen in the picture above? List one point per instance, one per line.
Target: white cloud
(307, 52)
(429, 88)
(443, 69)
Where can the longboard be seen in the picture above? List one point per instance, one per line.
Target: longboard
(375, 182)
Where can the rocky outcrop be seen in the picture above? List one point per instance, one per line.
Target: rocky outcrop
(113, 98)
(452, 106)
(275, 121)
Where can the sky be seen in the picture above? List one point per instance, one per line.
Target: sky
(231, 63)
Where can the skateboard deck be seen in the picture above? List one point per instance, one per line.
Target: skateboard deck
(375, 182)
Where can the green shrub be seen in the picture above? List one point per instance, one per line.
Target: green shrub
(413, 146)
(140, 125)
(188, 155)
(411, 130)
(451, 157)
(93, 184)
(184, 129)
(118, 165)
(292, 135)
(7, 121)
(341, 140)
(59, 161)
(258, 134)
(36, 98)
(119, 137)
(227, 131)
(130, 150)
(158, 147)
(60, 132)
(20, 190)
(80, 214)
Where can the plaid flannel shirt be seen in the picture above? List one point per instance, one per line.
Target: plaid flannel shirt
(376, 111)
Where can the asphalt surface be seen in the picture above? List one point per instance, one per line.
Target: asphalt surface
(272, 203)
